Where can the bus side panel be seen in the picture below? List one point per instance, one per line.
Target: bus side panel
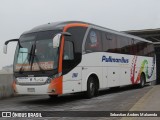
(72, 81)
(113, 76)
(91, 64)
(87, 72)
(116, 69)
(141, 64)
(125, 76)
(151, 70)
(148, 67)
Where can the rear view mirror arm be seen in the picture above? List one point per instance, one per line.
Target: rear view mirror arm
(6, 43)
(13, 40)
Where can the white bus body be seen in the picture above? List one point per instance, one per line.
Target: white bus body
(98, 68)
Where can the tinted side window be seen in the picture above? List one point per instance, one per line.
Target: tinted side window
(115, 43)
(140, 48)
(135, 47)
(131, 46)
(150, 50)
(109, 42)
(145, 48)
(93, 42)
(105, 43)
(112, 43)
(122, 45)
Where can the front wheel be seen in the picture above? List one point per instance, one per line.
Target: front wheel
(91, 88)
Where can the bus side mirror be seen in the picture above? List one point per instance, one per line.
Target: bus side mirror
(5, 49)
(57, 38)
(6, 43)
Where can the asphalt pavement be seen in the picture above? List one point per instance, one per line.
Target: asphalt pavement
(122, 99)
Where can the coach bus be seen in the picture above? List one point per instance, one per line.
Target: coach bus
(73, 56)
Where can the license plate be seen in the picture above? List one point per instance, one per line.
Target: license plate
(31, 89)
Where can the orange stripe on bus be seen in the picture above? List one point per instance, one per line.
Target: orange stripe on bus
(56, 85)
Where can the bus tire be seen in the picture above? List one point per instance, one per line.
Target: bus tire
(53, 96)
(97, 87)
(91, 88)
(142, 81)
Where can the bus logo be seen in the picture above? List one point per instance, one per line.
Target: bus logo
(115, 60)
(74, 75)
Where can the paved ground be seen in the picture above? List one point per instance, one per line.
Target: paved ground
(149, 102)
(122, 99)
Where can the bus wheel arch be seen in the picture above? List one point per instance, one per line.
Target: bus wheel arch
(92, 86)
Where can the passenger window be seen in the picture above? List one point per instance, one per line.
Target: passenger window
(111, 42)
(93, 42)
(122, 45)
(105, 42)
(150, 50)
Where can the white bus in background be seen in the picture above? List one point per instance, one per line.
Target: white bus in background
(69, 57)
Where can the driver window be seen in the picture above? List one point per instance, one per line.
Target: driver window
(68, 57)
(68, 51)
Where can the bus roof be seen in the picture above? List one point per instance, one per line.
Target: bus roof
(52, 26)
(61, 25)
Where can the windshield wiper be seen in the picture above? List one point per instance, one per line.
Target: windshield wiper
(33, 55)
(30, 54)
(31, 60)
(41, 69)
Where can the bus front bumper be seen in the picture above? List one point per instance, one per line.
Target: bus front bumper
(53, 88)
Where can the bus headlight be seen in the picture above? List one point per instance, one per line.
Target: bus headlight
(57, 75)
(52, 78)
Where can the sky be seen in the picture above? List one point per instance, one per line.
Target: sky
(17, 16)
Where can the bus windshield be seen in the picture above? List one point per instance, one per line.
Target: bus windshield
(41, 44)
